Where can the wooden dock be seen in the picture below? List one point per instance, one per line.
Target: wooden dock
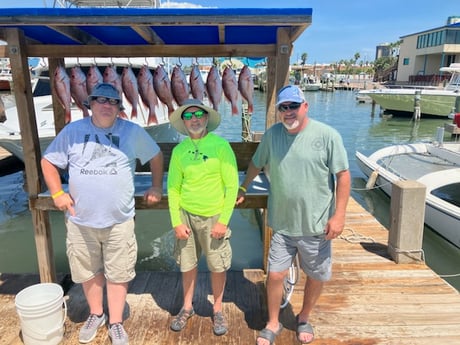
(370, 300)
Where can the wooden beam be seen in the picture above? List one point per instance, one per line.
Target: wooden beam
(76, 34)
(149, 35)
(150, 50)
(32, 152)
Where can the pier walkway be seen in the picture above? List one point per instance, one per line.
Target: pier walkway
(370, 300)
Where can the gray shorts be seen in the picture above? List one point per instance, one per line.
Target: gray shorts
(111, 250)
(314, 255)
(218, 252)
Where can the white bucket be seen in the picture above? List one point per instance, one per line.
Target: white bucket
(40, 310)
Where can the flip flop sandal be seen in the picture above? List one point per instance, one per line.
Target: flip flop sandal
(269, 334)
(304, 327)
(179, 322)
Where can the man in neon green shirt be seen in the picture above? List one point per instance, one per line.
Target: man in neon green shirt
(202, 188)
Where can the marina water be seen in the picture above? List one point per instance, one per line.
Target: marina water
(362, 130)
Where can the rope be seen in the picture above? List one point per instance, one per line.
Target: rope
(355, 237)
(413, 251)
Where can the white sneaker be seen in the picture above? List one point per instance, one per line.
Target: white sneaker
(89, 330)
(118, 334)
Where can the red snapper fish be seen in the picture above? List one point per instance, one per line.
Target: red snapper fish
(197, 84)
(147, 92)
(162, 86)
(179, 86)
(246, 87)
(214, 87)
(130, 88)
(230, 86)
(111, 76)
(61, 88)
(93, 77)
(78, 89)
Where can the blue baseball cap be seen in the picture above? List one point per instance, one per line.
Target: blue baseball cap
(290, 93)
(105, 90)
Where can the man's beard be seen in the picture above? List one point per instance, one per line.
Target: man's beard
(291, 126)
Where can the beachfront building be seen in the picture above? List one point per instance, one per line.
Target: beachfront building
(422, 54)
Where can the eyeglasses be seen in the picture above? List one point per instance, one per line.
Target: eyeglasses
(198, 114)
(291, 106)
(104, 100)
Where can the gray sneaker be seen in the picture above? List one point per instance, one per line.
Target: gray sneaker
(89, 329)
(118, 334)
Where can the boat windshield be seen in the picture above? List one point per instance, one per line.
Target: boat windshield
(449, 193)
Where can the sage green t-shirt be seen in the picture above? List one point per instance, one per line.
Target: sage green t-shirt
(203, 178)
(301, 169)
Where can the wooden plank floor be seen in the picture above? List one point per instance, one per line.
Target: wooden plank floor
(370, 300)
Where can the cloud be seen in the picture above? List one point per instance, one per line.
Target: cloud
(172, 4)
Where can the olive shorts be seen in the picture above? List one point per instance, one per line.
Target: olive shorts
(218, 252)
(111, 250)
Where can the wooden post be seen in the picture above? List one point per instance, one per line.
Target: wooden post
(32, 155)
(417, 110)
(407, 216)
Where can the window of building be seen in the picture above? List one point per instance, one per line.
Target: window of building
(406, 61)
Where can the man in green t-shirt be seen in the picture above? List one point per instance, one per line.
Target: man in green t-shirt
(309, 190)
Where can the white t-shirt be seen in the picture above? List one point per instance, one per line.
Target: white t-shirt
(101, 165)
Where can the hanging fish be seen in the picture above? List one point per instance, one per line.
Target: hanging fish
(246, 87)
(78, 88)
(130, 89)
(230, 87)
(162, 86)
(147, 93)
(179, 85)
(61, 88)
(111, 76)
(93, 77)
(214, 87)
(197, 84)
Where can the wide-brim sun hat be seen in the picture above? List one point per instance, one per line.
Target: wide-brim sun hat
(104, 90)
(178, 123)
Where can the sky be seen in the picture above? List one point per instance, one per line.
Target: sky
(339, 28)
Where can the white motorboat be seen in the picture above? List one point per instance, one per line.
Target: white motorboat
(433, 102)
(310, 85)
(436, 165)
(10, 136)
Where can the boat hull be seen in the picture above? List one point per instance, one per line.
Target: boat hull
(442, 216)
(433, 103)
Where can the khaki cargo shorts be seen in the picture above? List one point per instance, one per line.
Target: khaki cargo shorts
(218, 252)
(111, 250)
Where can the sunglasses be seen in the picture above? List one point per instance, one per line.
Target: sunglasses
(291, 106)
(198, 114)
(104, 100)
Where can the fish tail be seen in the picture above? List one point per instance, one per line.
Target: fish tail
(67, 116)
(134, 113)
(235, 110)
(123, 115)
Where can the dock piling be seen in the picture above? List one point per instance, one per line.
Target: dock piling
(407, 214)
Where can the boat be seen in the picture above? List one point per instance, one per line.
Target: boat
(436, 165)
(10, 136)
(434, 102)
(5, 75)
(310, 85)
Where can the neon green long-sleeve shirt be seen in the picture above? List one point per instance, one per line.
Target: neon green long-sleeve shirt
(202, 179)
